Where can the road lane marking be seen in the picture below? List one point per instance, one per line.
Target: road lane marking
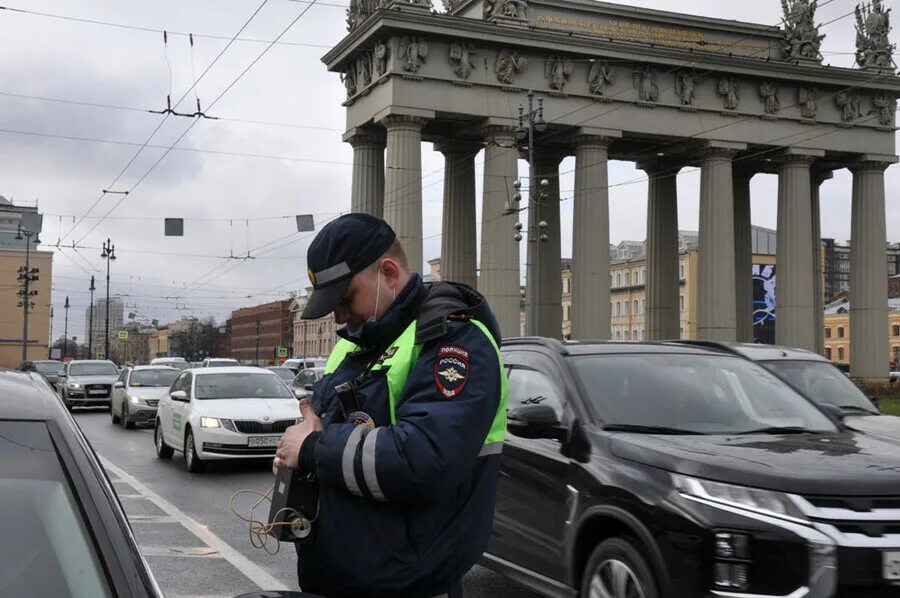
(187, 551)
(248, 568)
(152, 519)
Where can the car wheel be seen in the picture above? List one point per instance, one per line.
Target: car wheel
(112, 415)
(126, 421)
(617, 569)
(65, 400)
(163, 451)
(193, 463)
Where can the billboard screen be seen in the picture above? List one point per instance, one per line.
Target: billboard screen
(764, 303)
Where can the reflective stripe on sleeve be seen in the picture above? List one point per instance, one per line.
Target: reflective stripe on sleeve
(494, 448)
(349, 456)
(368, 465)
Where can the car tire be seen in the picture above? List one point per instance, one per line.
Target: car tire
(614, 558)
(163, 451)
(113, 416)
(126, 421)
(192, 462)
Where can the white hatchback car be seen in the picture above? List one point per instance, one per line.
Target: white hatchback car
(224, 413)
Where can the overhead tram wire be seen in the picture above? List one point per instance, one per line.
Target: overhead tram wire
(164, 119)
(209, 106)
(550, 133)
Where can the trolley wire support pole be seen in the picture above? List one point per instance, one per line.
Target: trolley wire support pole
(65, 352)
(109, 254)
(531, 122)
(26, 276)
(257, 342)
(91, 352)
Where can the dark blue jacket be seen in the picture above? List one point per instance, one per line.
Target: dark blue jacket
(406, 507)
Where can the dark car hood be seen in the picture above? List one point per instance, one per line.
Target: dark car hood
(882, 427)
(843, 463)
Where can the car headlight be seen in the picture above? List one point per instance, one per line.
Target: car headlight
(135, 400)
(210, 422)
(74, 386)
(768, 502)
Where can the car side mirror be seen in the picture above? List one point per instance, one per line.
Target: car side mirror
(535, 421)
(835, 412)
(874, 401)
(178, 395)
(119, 384)
(300, 393)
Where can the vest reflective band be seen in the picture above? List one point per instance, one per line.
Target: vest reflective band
(399, 364)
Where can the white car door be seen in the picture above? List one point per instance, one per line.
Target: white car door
(118, 394)
(181, 412)
(166, 412)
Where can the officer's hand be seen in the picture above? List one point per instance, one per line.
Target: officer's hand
(288, 452)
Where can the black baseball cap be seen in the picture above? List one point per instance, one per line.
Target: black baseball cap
(345, 247)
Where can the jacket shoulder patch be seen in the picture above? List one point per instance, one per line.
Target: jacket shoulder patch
(451, 370)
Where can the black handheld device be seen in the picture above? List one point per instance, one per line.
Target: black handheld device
(295, 506)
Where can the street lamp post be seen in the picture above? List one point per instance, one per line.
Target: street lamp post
(257, 341)
(109, 254)
(531, 122)
(50, 348)
(27, 275)
(91, 322)
(66, 330)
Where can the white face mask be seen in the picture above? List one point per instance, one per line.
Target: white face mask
(357, 332)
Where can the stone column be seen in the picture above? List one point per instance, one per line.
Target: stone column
(795, 320)
(716, 301)
(590, 239)
(546, 256)
(743, 257)
(500, 276)
(868, 271)
(403, 183)
(817, 178)
(367, 191)
(663, 319)
(458, 238)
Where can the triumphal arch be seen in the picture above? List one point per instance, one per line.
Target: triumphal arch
(664, 90)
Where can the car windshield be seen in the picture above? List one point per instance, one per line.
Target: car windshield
(47, 549)
(179, 365)
(222, 363)
(47, 367)
(284, 373)
(93, 369)
(140, 378)
(703, 394)
(823, 383)
(241, 386)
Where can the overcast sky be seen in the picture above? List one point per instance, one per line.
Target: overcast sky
(235, 203)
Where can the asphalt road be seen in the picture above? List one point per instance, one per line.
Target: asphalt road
(193, 542)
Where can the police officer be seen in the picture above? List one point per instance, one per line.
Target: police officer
(404, 430)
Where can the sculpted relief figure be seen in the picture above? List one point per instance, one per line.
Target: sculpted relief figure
(508, 9)
(644, 79)
(801, 34)
(557, 70)
(379, 58)
(729, 91)
(599, 78)
(848, 103)
(806, 97)
(413, 52)
(508, 65)
(685, 81)
(885, 107)
(461, 59)
(768, 94)
(363, 72)
(873, 24)
(348, 78)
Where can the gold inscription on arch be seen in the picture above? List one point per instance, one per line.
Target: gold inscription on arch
(654, 34)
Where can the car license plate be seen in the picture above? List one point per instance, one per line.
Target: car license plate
(97, 392)
(263, 440)
(891, 560)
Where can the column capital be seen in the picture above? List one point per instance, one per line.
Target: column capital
(871, 163)
(594, 136)
(500, 135)
(403, 120)
(789, 160)
(458, 147)
(820, 175)
(715, 152)
(661, 165)
(365, 136)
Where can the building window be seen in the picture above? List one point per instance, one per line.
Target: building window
(628, 279)
(618, 335)
(681, 271)
(828, 353)
(643, 306)
(828, 333)
(634, 335)
(565, 285)
(625, 308)
(565, 312)
(840, 332)
(618, 279)
(841, 354)
(681, 332)
(681, 302)
(634, 308)
(896, 355)
(896, 330)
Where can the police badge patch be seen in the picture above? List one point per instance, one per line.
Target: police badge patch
(451, 370)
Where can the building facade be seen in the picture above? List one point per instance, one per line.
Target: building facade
(837, 332)
(623, 84)
(313, 338)
(11, 218)
(116, 321)
(837, 266)
(12, 320)
(270, 325)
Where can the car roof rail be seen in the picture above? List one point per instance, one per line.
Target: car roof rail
(721, 346)
(546, 342)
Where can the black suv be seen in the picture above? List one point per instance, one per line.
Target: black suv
(667, 470)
